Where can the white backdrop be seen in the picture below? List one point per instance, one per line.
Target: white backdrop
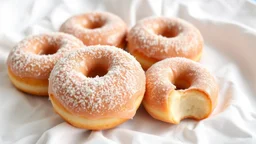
(229, 31)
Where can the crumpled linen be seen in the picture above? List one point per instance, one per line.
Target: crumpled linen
(229, 32)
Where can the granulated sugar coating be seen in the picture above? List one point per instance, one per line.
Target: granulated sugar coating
(164, 37)
(95, 28)
(113, 94)
(161, 79)
(29, 58)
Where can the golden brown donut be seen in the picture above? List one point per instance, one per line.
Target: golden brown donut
(95, 28)
(156, 38)
(31, 61)
(179, 88)
(97, 87)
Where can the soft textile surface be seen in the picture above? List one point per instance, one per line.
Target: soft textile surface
(229, 31)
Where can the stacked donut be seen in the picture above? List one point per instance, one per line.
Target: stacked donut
(94, 84)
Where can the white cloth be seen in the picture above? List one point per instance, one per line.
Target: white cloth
(229, 31)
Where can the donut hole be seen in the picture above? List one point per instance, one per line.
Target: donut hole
(168, 32)
(47, 49)
(95, 24)
(181, 84)
(97, 70)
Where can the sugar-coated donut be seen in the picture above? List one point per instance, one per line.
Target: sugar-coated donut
(31, 60)
(156, 38)
(179, 88)
(95, 28)
(97, 87)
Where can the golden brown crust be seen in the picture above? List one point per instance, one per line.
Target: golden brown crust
(122, 44)
(147, 62)
(159, 114)
(164, 114)
(98, 87)
(97, 95)
(162, 91)
(92, 124)
(29, 85)
(157, 38)
(31, 61)
(97, 28)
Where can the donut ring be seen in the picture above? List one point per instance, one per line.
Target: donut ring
(178, 88)
(97, 87)
(156, 38)
(31, 60)
(97, 28)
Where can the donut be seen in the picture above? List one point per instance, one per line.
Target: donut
(31, 60)
(157, 38)
(97, 87)
(96, 28)
(179, 88)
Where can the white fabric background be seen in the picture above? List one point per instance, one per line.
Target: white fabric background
(229, 31)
